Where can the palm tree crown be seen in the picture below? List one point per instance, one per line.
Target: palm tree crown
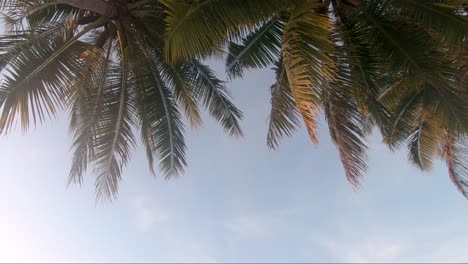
(109, 71)
(397, 65)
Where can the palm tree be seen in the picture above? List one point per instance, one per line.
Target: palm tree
(396, 65)
(104, 63)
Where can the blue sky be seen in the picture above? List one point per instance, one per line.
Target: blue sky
(237, 202)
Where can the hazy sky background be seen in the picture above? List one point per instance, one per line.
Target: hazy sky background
(237, 202)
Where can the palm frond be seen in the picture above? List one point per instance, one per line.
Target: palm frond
(446, 18)
(179, 77)
(36, 81)
(145, 124)
(284, 116)
(354, 54)
(87, 105)
(425, 141)
(215, 97)
(12, 44)
(456, 158)
(160, 114)
(40, 13)
(345, 125)
(194, 28)
(346, 120)
(305, 50)
(113, 139)
(259, 49)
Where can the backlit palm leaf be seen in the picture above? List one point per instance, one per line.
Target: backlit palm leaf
(113, 137)
(443, 17)
(346, 119)
(166, 126)
(456, 157)
(305, 49)
(87, 104)
(259, 49)
(212, 92)
(35, 81)
(194, 28)
(284, 116)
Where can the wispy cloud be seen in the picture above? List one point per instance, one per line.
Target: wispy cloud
(365, 249)
(186, 250)
(147, 214)
(416, 245)
(178, 246)
(453, 251)
(254, 225)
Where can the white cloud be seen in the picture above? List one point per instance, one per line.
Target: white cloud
(251, 225)
(394, 248)
(259, 225)
(175, 245)
(370, 249)
(147, 215)
(454, 251)
(185, 250)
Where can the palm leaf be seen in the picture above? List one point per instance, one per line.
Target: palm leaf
(259, 49)
(305, 49)
(180, 80)
(443, 17)
(456, 157)
(215, 97)
(284, 116)
(40, 13)
(345, 118)
(87, 96)
(36, 80)
(346, 130)
(195, 28)
(113, 137)
(161, 114)
(425, 141)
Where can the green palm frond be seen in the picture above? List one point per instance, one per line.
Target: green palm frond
(446, 18)
(305, 50)
(259, 49)
(40, 13)
(406, 107)
(87, 104)
(161, 109)
(212, 92)
(456, 157)
(179, 77)
(365, 70)
(415, 63)
(157, 89)
(346, 130)
(194, 28)
(345, 118)
(400, 44)
(13, 44)
(424, 144)
(462, 71)
(145, 124)
(35, 80)
(166, 126)
(284, 116)
(113, 139)
(398, 65)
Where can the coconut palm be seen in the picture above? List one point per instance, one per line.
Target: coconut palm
(104, 63)
(396, 65)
